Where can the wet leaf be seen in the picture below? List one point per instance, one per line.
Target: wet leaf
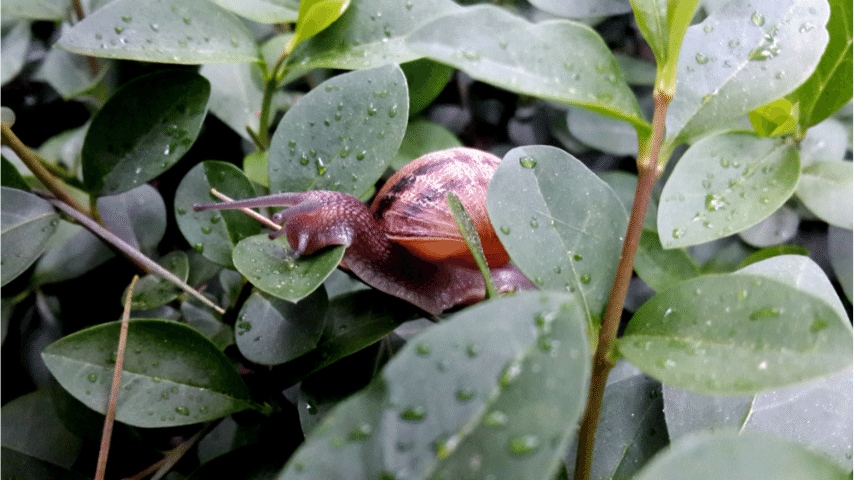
(742, 57)
(163, 31)
(583, 8)
(270, 331)
(263, 11)
(471, 408)
(137, 216)
(724, 184)
(422, 137)
(152, 290)
(602, 133)
(371, 33)
(734, 455)
(273, 269)
(69, 74)
(16, 40)
(31, 426)
(829, 87)
(560, 223)
(172, 374)
(342, 134)
(123, 150)
(745, 332)
(236, 95)
(314, 17)
(499, 48)
(27, 223)
(214, 233)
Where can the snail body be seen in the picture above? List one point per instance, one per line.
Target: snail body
(407, 243)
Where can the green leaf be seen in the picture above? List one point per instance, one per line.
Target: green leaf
(503, 403)
(272, 331)
(825, 142)
(662, 268)
(738, 333)
(826, 189)
(651, 17)
(772, 252)
(269, 266)
(603, 133)
(314, 17)
(354, 321)
(37, 9)
(31, 426)
(774, 119)
(69, 74)
(144, 129)
(10, 177)
(724, 184)
(638, 71)
(561, 224)
(71, 252)
(236, 95)
(422, 137)
(342, 134)
(15, 42)
(163, 31)
(839, 246)
(740, 58)
(137, 216)
(733, 455)
(371, 33)
(499, 48)
(583, 8)
(426, 79)
(27, 223)
(256, 166)
(472, 239)
(20, 465)
(829, 87)
(781, 226)
(214, 233)
(263, 11)
(172, 374)
(152, 290)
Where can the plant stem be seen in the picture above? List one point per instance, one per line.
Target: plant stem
(34, 162)
(110, 417)
(648, 172)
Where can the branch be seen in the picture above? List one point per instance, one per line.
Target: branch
(648, 172)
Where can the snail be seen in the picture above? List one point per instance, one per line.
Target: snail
(407, 244)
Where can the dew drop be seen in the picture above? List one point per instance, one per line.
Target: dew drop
(767, 312)
(585, 278)
(182, 410)
(465, 394)
(496, 418)
(92, 377)
(413, 414)
(422, 350)
(758, 19)
(505, 229)
(734, 43)
(678, 232)
(534, 223)
(527, 162)
(708, 28)
(701, 59)
(361, 432)
(714, 202)
(524, 444)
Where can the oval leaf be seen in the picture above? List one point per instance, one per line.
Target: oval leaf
(742, 57)
(71, 252)
(172, 374)
(214, 233)
(263, 11)
(272, 331)
(342, 134)
(737, 333)
(560, 223)
(153, 290)
(163, 31)
(269, 266)
(499, 48)
(583, 8)
(734, 455)
(315, 16)
(27, 223)
(371, 33)
(723, 185)
(826, 189)
(144, 129)
(471, 405)
(137, 216)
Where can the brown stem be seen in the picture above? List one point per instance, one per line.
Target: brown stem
(34, 162)
(648, 172)
(110, 417)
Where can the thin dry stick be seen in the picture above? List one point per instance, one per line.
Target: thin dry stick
(248, 211)
(132, 252)
(114, 390)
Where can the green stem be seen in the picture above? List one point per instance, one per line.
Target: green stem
(276, 74)
(648, 172)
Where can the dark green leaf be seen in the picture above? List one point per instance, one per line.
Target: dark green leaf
(31, 426)
(502, 397)
(771, 252)
(70, 253)
(21, 466)
(164, 31)
(214, 233)
(742, 57)
(27, 224)
(172, 374)
(271, 331)
(269, 266)
(662, 268)
(152, 290)
(723, 185)
(144, 129)
(470, 235)
(497, 47)
(10, 177)
(746, 455)
(137, 216)
(561, 224)
(829, 87)
(371, 33)
(740, 333)
(426, 80)
(421, 138)
(342, 134)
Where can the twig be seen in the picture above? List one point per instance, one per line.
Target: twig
(248, 211)
(131, 252)
(114, 390)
